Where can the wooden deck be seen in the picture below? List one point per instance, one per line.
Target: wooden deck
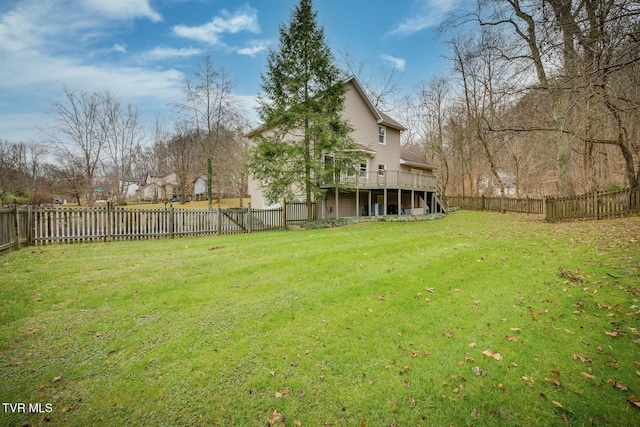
(373, 180)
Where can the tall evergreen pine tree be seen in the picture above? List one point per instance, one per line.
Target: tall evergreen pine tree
(303, 96)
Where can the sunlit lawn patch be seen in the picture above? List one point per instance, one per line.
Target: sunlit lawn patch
(474, 319)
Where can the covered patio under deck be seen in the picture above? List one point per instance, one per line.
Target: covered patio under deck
(376, 193)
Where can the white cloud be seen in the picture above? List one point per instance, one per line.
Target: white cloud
(123, 9)
(118, 48)
(255, 47)
(397, 63)
(244, 19)
(425, 14)
(162, 52)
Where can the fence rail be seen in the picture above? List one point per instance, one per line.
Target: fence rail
(22, 226)
(14, 228)
(498, 204)
(597, 205)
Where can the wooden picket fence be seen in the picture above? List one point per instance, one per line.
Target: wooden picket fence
(498, 204)
(14, 227)
(32, 225)
(25, 226)
(596, 205)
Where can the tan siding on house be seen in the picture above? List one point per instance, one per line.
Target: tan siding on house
(365, 126)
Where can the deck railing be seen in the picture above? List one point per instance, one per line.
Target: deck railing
(383, 179)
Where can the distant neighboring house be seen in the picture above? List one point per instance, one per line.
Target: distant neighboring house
(131, 188)
(159, 186)
(489, 186)
(200, 188)
(389, 178)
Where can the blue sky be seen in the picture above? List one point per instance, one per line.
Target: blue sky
(142, 50)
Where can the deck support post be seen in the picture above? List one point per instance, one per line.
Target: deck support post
(384, 207)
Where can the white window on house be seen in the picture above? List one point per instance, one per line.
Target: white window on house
(381, 169)
(382, 134)
(363, 169)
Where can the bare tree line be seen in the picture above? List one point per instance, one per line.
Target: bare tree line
(97, 142)
(542, 98)
(546, 90)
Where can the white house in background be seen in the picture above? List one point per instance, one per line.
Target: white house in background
(488, 184)
(131, 188)
(389, 178)
(159, 186)
(200, 188)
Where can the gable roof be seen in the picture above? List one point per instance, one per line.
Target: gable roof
(409, 158)
(382, 118)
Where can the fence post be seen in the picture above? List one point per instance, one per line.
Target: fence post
(16, 227)
(482, 205)
(284, 213)
(30, 225)
(547, 210)
(249, 220)
(170, 222)
(596, 210)
(110, 220)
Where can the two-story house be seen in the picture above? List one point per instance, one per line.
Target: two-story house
(158, 186)
(389, 179)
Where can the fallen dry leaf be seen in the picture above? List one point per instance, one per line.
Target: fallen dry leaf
(490, 353)
(556, 404)
(583, 358)
(634, 402)
(477, 371)
(616, 384)
(276, 419)
(588, 376)
(555, 373)
(511, 338)
(553, 381)
(528, 380)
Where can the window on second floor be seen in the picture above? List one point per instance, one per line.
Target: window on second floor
(382, 134)
(381, 168)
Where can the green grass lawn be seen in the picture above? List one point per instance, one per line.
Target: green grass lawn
(476, 319)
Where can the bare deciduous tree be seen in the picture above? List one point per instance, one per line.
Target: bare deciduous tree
(77, 135)
(123, 131)
(209, 108)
